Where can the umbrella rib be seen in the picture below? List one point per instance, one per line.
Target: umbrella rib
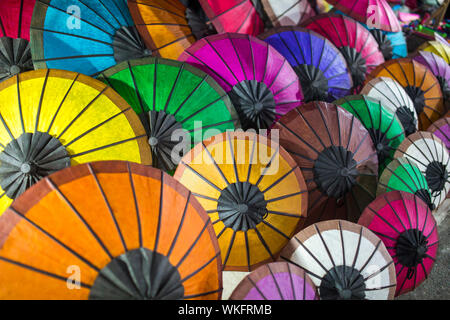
(276, 283)
(276, 76)
(379, 271)
(303, 268)
(215, 164)
(255, 285)
(299, 138)
(233, 237)
(395, 212)
(201, 294)
(75, 57)
(384, 220)
(247, 250)
(191, 94)
(280, 179)
(136, 205)
(6, 127)
(223, 61)
(355, 258)
(287, 196)
(211, 125)
(289, 9)
(201, 268)
(19, 100)
(180, 71)
(269, 164)
(193, 244)
(233, 157)
(40, 101)
(229, 9)
(309, 125)
(202, 177)
(158, 8)
(263, 242)
(19, 25)
(324, 244)
(251, 159)
(290, 51)
(136, 90)
(245, 20)
(2, 27)
(285, 87)
(203, 108)
(174, 41)
(161, 201)
(111, 14)
(99, 15)
(291, 282)
(276, 230)
(381, 288)
(312, 256)
(393, 76)
(407, 215)
(370, 258)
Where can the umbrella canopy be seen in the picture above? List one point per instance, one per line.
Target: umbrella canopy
(357, 44)
(15, 54)
(438, 48)
(288, 12)
(374, 13)
(260, 82)
(51, 119)
(384, 127)
(163, 26)
(345, 261)
(253, 192)
(441, 129)
(432, 157)
(407, 228)
(172, 98)
(320, 66)
(132, 231)
(239, 16)
(420, 84)
(86, 37)
(395, 99)
(276, 281)
(402, 174)
(337, 158)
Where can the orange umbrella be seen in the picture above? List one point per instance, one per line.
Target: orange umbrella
(129, 231)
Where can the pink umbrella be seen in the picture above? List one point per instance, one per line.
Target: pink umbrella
(259, 81)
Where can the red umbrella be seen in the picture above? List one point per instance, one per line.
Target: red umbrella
(356, 43)
(406, 226)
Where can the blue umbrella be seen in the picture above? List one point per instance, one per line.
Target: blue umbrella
(86, 36)
(320, 66)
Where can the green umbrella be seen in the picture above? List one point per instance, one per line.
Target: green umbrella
(175, 101)
(404, 175)
(384, 127)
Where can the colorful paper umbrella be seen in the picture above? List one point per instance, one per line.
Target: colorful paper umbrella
(432, 157)
(406, 226)
(253, 192)
(51, 119)
(395, 99)
(259, 80)
(438, 48)
(239, 16)
(84, 36)
(320, 66)
(402, 174)
(441, 129)
(359, 47)
(345, 261)
(131, 232)
(392, 44)
(384, 127)
(15, 54)
(163, 25)
(288, 12)
(172, 98)
(276, 281)
(420, 84)
(374, 13)
(337, 158)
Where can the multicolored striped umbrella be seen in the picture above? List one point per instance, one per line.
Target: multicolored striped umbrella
(433, 159)
(420, 84)
(408, 230)
(403, 174)
(320, 66)
(276, 281)
(130, 231)
(441, 129)
(395, 99)
(384, 127)
(178, 104)
(259, 80)
(355, 42)
(337, 158)
(84, 36)
(15, 54)
(346, 261)
(288, 12)
(253, 192)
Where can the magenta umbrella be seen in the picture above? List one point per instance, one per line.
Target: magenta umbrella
(259, 81)
(441, 129)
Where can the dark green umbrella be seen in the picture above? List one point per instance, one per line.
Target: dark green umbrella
(172, 97)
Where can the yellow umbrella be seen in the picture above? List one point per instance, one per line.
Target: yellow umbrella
(437, 48)
(52, 119)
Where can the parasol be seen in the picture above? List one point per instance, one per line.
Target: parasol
(84, 36)
(288, 12)
(337, 159)
(359, 47)
(320, 66)
(15, 55)
(441, 129)
(373, 13)
(237, 16)
(395, 99)
(345, 261)
(438, 48)
(260, 82)
(163, 26)
(420, 84)
(130, 231)
(433, 160)
(406, 226)
(172, 98)
(384, 127)
(253, 192)
(276, 281)
(402, 174)
(51, 119)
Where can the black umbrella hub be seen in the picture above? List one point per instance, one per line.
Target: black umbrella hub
(424, 194)
(436, 176)
(417, 95)
(411, 248)
(407, 119)
(342, 283)
(356, 63)
(17, 57)
(313, 81)
(384, 43)
(381, 143)
(128, 45)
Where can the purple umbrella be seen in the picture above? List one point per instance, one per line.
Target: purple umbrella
(259, 80)
(276, 281)
(321, 67)
(441, 129)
